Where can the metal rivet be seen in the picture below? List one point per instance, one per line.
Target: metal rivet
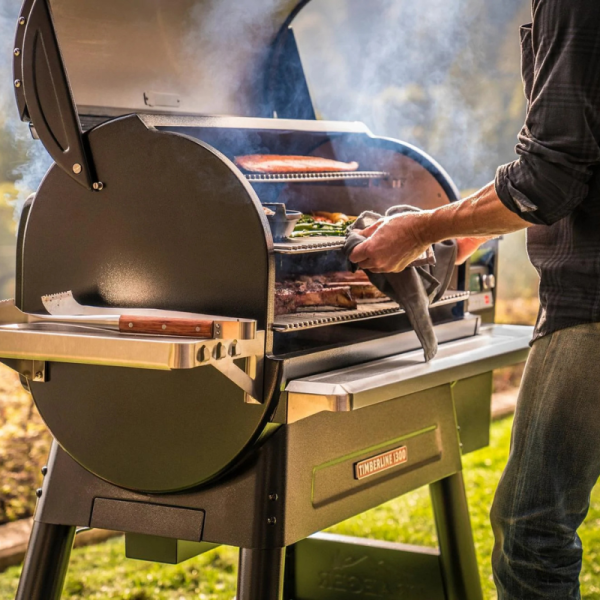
(98, 186)
(17, 83)
(22, 20)
(17, 51)
(130, 324)
(76, 168)
(271, 521)
(44, 470)
(273, 497)
(164, 326)
(39, 492)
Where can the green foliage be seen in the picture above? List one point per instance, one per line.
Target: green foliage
(102, 571)
(24, 446)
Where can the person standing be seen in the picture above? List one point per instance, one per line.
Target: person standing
(553, 189)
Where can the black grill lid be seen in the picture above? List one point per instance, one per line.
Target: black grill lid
(183, 56)
(82, 57)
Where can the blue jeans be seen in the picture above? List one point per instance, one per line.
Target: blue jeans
(544, 494)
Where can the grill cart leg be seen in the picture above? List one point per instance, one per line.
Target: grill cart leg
(46, 562)
(457, 551)
(260, 575)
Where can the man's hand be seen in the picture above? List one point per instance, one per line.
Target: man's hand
(393, 243)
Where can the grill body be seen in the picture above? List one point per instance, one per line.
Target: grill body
(178, 227)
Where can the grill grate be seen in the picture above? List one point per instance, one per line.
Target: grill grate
(309, 320)
(309, 244)
(314, 177)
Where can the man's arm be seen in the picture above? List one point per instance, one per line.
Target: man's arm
(558, 146)
(395, 242)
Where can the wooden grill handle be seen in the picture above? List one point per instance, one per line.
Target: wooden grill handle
(167, 326)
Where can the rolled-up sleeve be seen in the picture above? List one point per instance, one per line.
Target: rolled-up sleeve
(558, 147)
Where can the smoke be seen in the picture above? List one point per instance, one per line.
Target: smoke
(226, 41)
(23, 161)
(436, 73)
(440, 74)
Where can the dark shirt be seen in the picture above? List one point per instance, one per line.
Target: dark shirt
(555, 183)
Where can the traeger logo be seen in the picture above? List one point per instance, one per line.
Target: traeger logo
(363, 575)
(382, 462)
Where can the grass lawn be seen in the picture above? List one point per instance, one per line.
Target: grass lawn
(103, 572)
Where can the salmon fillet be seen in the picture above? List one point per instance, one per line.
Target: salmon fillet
(275, 163)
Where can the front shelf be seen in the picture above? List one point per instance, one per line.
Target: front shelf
(494, 347)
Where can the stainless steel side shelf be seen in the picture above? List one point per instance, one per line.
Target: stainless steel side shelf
(356, 387)
(96, 347)
(35, 343)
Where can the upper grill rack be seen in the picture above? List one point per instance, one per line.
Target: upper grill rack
(310, 320)
(309, 244)
(315, 177)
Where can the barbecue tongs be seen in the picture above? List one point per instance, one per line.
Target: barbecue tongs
(166, 323)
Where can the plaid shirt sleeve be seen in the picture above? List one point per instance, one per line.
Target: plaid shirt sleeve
(557, 147)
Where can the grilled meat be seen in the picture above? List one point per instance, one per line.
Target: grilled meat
(274, 163)
(361, 290)
(291, 296)
(360, 286)
(338, 289)
(346, 277)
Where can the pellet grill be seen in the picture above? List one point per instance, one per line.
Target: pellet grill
(273, 427)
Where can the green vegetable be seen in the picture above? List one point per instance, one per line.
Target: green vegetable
(307, 226)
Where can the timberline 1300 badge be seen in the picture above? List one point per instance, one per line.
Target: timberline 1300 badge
(381, 462)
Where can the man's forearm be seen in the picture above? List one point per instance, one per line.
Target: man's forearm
(479, 215)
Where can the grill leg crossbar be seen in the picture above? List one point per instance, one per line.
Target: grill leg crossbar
(336, 567)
